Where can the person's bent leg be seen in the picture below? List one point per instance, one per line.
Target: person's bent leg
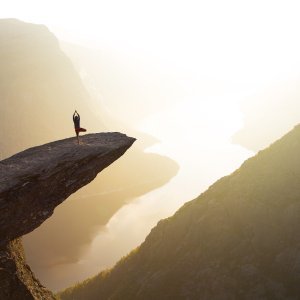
(77, 136)
(82, 130)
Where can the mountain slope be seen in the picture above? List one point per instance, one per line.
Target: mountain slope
(39, 90)
(238, 240)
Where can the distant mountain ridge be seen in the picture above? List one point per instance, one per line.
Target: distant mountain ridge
(39, 90)
(238, 240)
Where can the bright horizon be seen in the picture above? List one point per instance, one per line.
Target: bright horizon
(210, 49)
(205, 68)
(243, 42)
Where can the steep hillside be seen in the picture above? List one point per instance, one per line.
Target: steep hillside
(39, 88)
(238, 240)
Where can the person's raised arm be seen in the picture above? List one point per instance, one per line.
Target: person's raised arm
(74, 116)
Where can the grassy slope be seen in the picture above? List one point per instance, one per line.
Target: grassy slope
(238, 240)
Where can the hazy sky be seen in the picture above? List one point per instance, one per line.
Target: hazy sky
(250, 41)
(231, 50)
(219, 52)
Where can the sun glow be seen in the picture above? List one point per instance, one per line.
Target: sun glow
(194, 126)
(181, 71)
(237, 40)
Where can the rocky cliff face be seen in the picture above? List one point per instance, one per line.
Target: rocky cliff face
(32, 184)
(39, 90)
(238, 240)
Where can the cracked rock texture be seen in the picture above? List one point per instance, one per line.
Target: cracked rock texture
(32, 184)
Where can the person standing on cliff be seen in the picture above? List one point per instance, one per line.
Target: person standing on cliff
(76, 120)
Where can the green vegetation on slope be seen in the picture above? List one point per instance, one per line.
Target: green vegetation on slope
(238, 240)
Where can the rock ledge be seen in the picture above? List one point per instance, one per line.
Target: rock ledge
(32, 184)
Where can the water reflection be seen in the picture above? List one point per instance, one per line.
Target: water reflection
(201, 145)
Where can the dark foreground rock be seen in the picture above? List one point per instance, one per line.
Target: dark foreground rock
(32, 184)
(16, 279)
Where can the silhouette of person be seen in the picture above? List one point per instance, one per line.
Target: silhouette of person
(76, 120)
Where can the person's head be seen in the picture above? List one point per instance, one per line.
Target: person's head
(76, 118)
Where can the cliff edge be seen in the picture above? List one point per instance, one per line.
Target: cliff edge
(32, 184)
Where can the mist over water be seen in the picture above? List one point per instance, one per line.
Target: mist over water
(199, 140)
(195, 126)
(184, 79)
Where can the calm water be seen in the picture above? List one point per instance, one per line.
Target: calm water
(201, 145)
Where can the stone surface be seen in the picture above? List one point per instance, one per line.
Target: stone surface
(16, 279)
(39, 90)
(32, 184)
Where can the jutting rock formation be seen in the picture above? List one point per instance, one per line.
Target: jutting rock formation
(39, 90)
(238, 240)
(32, 184)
